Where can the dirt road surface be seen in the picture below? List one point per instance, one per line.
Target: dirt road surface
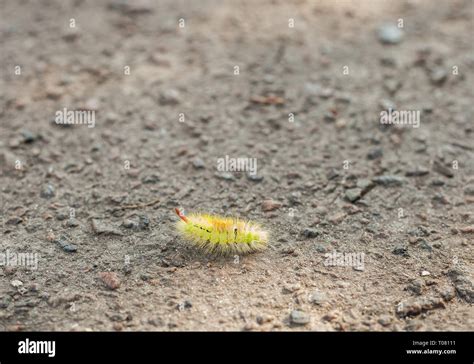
(371, 224)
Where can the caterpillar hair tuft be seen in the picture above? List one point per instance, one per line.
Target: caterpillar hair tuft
(222, 235)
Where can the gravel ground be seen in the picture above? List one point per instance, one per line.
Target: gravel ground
(371, 224)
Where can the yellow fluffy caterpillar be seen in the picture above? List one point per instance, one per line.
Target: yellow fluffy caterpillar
(222, 235)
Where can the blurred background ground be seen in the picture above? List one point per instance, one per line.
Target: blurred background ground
(401, 200)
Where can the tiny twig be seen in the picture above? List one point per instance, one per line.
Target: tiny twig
(137, 206)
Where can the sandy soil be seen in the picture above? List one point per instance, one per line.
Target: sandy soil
(94, 205)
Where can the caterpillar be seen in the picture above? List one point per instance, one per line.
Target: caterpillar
(222, 235)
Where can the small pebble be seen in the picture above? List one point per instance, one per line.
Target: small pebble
(184, 305)
(469, 190)
(309, 233)
(47, 192)
(416, 286)
(389, 180)
(299, 318)
(5, 302)
(389, 34)
(443, 169)
(143, 222)
(61, 216)
(28, 137)
(100, 227)
(227, 176)
(110, 279)
(425, 245)
(320, 248)
(128, 224)
(353, 194)
(254, 177)
(198, 163)
(152, 179)
(437, 183)
(72, 223)
(318, 298)
(14, 220)
(291, 288)
(447, 293)
(65, 245)
(417, 172)
(263, 319)
(337, 218)
(365, 185)
(400, 250)
(329, 117)
(438, 76)
(385, 320)
(170, 97)
(16, 283)
(375, 153)
(467, 229)
(270, 205)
